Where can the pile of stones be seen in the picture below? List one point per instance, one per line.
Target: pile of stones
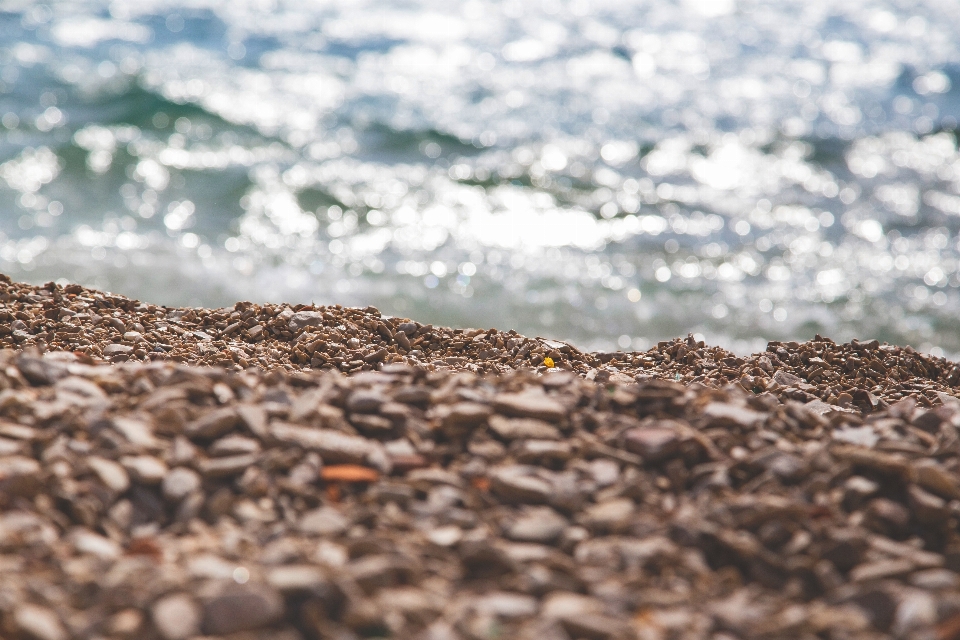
(159, 500)
(862, 376)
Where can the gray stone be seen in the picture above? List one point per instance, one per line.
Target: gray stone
(116, 349)
(537, 525)
(325, 521)
(303, 319)
(179, 483)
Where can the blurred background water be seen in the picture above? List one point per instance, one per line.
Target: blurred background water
(605, 171)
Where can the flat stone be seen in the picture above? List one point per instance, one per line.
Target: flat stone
(930, 475)
(228, 466)
(379, 571)
(611, 515)
(88, 542)
(928, 508)
(522, 428)
(145, 469)
(112, 474)
(116, 349)
(242, 609)
(735, 414)
(39, 623)
(333, 446)
(136, 432)
(530, 404)
(542, 525)
(303, 319)
(880, 569)
(466, 415)
(233, 445)
(365, 401)
(179, 483)
(653, 444)
(504, 604)
(516, 484)
(325, 521)
(176, 616)
(294, 578)
(213, 424)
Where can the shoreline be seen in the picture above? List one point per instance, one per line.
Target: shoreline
(152, 498)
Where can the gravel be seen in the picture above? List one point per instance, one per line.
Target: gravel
(811, 491)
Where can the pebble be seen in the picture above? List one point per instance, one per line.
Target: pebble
(39, 623)
(176, 616)
(179, 483)
(242, 609)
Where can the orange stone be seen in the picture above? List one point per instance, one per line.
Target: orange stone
(349, 473)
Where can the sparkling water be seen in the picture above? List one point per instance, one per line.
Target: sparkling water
(603, 171)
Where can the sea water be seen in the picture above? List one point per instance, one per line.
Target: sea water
(609, 172)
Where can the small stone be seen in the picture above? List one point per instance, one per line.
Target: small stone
(243, 609)
(228, 466)
(213, 424)
(234, 445)
(445, 536)
(294, 578)
(506, 605)
(176, 616)
(113, 475)
(733, 414)
(325, 521)
(303, 319)
(541, 524)
(522, 428)
(379, 571)
(365, 401)
(145, 469)
(179, 483)
(933, 477)
(611, 515)
(116, 349)
(466, 415)
(39, 622)
(531, 404)
(880, 569)
(516, 484)
(928, 508)
(333, 446)
(653, 444)
(935, 579)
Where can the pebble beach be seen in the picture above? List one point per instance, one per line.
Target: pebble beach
(302, 472)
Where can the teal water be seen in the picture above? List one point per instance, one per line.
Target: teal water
(608, 172)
